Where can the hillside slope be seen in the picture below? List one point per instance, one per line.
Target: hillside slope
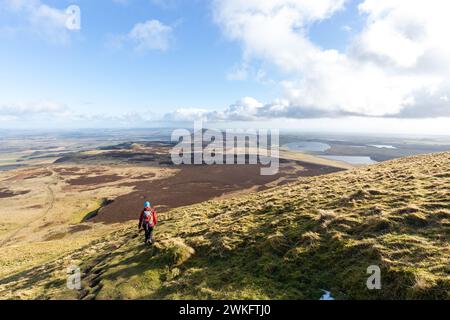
(284, 243)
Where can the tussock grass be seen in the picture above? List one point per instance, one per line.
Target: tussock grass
(285, 243)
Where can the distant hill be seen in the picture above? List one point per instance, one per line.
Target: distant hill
(289, 242)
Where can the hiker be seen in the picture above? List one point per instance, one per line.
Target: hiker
(148, 221)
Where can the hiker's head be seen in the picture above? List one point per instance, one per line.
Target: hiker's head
(147, 204)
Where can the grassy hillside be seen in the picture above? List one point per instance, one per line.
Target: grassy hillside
(284, 243)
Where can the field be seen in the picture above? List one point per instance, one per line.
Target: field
(286, 242)
(64, 201)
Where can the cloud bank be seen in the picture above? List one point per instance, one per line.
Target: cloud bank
(31, 109)
(398, 65)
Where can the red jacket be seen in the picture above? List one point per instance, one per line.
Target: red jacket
(143, 219)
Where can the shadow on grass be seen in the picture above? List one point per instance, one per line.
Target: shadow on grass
(290, 262)
(95, 212)
(257, 269)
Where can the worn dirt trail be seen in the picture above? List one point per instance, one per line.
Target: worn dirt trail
(44, 218)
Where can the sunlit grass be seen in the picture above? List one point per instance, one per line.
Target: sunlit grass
(285, 243)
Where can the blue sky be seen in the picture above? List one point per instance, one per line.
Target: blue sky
(86, 71)
(221, 60)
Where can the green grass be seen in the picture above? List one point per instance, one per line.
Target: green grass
(285, 243)
(93, 213)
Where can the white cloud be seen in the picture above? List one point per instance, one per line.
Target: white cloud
(243, 110)
(33, 16)
(30, 109)
(250, 109)
(146, 36)
(186, 114)
(59, 115)
(279, 114)
(246, 109)
(151, 35)
(396, 66)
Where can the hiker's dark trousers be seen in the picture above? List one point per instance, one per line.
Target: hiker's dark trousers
(148, 232)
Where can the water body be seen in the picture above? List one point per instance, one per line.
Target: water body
(382, 146)
(326, 295)
(352, 159)
(310, 146)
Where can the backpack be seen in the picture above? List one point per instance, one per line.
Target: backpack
(148, 217)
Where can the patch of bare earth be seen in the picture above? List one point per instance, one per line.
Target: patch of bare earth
(197, 183)
(6, 193)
